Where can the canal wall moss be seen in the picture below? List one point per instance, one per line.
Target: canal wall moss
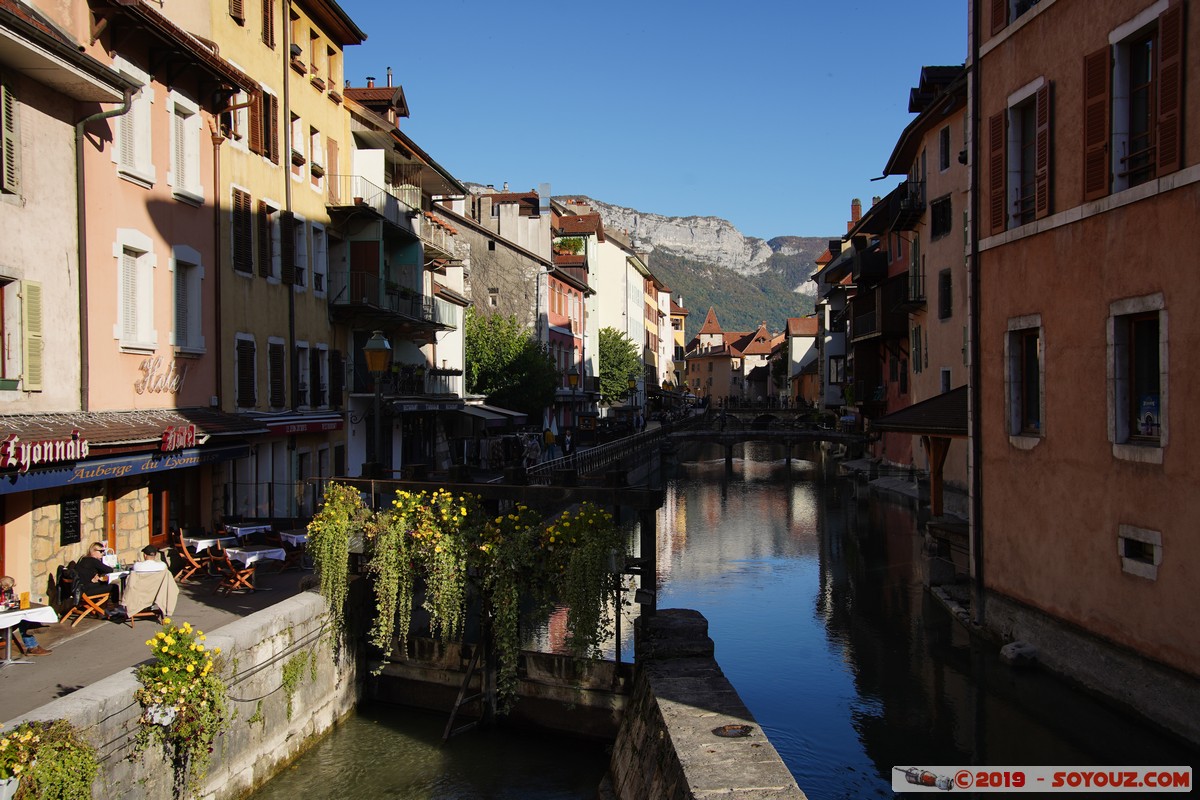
(668, 746)
(286, 690)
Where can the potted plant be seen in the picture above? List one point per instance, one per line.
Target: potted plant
(46, 759)
(183, 702)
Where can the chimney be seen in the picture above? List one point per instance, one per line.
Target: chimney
(505, 189)
(855, 213)
(389, 77)
(370, 81)
(875, 200)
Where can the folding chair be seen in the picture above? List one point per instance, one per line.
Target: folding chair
(85, 605)
(295, 555)
(233, 577)
(147, 613)
(192, 562)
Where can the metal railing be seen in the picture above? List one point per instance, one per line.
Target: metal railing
(595, 460)
(355, 190)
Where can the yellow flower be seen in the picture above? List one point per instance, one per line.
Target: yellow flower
(160, 635)
(166, 670)
(166, 649)
(149, 643)
(166, 620)
(191, 668)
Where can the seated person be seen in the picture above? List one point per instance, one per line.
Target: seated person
(151, 560)
(26, 640)
(93, 573)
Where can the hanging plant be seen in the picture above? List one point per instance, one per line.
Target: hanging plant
(183, 703)
(584, 544)
(48, 759)
(391, 562)
(342, 513)
(442, 527)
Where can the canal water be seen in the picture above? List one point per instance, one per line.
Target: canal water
(817, 607)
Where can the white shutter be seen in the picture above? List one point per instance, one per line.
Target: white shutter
(126, 155)
(129, 296)
(31, 323)
(181, 165)
(182, 337)
(10, 142)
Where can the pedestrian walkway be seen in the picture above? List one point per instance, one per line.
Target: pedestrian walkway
(95, 649)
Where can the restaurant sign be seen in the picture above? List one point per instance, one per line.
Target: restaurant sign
(177, 437)
(23, 455)
(120, 467)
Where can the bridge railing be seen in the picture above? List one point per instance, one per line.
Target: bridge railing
(595, 460)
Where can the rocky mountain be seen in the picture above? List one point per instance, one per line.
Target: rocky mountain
(706, 261)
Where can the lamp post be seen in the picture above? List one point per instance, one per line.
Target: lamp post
(378, 353)
(573, 382)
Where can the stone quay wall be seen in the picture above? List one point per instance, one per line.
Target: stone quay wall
(666, 747)
(272, 722)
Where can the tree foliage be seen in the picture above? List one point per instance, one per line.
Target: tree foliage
(507, 365)
(619, 361)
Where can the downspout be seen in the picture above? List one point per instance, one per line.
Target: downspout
(285, 157)
(217, 140)
(81, 240)
(975, 426)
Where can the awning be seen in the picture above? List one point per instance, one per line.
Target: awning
(490, 418)
(516, 417)
(942, 415)
(407, 406)
(103, 469)
(291, 423)
(123, 428)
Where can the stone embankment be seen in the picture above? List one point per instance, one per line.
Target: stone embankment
(670, 744)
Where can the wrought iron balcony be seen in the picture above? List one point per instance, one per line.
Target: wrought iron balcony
(399, 205)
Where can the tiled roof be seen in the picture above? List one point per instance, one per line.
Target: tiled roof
(710, 322)
(568, 260)
(112, 428)
(583, 223)
(678, 310)
(802, 326)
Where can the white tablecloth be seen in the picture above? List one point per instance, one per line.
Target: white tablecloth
(242, 531)
(295, 538)
(248, 555)
(35, 613)
(204, 544)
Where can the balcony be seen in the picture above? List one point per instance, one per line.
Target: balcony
(400, 205)
(915, 297)
(879, 312)
(367, 301)
(910, 205)
(441, 240)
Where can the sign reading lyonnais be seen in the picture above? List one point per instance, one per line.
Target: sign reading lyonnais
(23, 455)
(177, 437)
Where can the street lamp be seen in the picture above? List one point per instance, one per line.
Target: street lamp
(378, 353)
(632, 391)
(573, 382)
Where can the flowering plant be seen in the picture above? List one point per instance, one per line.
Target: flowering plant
(183, 701)
(51, 760)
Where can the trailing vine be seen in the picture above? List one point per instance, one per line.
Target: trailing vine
(442, 524)
(342, 512)
(587, 542)
(391, 560)
(49, 759)
(293, 670)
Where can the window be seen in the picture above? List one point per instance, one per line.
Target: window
(276, 376)
(238, 11)
(132, 151)
(184, 177)
(945, 296)
(294, 250)
(245, 354)
(320, 258)
(1018, 158)
(337, 378)
(135, 260)
(187, 335)
(944, 149)
(941, 217)
(331, 78)
(267, 225)
(1138, 377)
(241, 225)
(837, 369)
(302, 373)
(264, 125)
(297, 142)
(316, 169)
(10, 141)
(1004, 11)
(915, 349)
(945, 379)
(21, 321)
(1140, 551)
(493, 297)
(268, 23)
(318, 375)
(1025, 377)
(314, 51)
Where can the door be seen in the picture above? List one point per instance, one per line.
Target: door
(110, 521)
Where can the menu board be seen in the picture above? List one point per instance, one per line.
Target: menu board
(68, 516)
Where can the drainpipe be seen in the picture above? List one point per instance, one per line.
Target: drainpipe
(81, 237)
(977, 605)
(217, 140)
(286, 158)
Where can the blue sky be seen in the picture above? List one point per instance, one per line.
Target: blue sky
(771, 115)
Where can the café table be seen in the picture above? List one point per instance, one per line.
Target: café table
(9, 619)
(295, 538)
(242, 531)
(248, 555)
(203, 543)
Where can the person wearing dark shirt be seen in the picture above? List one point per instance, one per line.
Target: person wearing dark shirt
(93, 573)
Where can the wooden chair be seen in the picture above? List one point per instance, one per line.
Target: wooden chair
(86, 605)
(295, 555)
(192, 562)
(146, 613)
(233, 577)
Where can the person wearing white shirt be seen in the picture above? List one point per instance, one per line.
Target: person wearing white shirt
(151, 560)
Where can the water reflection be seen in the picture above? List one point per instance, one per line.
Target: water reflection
(817, 608)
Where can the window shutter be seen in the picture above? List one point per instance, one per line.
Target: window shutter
(1097, 74)
(126, 132)
(245, 374)
(268, 23)
(997, 210)
(276, 356)
(999, 15)
(287, 247)
(10, 142)
(337, 378)
(272, 143)
(331, 167)
(243, 256)
(316, 392)
(264, 239)
(180, 166)
(31, 321)
(256, 122)
(1170, 89)
(1041, 172)
(181, 305)
(237, 10)
(129, 296)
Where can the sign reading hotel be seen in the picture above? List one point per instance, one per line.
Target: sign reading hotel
(177, 437)
(17, 453)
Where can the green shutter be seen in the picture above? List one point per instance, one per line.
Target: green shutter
(31, 330)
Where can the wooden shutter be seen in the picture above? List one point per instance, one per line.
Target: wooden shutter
(31, 324)
(272, 133)
(179, 122)
(256, 122)
(181, 305)
(337, 378)
(237, 10)
(126, 132)
(245, 374)
(10, 142)
(265, 251)
(129, 296)
(999, 15)
(1041, 165)
(332, 171)
(1170, 90)
(268, 23)
(1097, 76)
(997, 207)
(287, 247)
(243, 256)
(316, 390)
(275, 356)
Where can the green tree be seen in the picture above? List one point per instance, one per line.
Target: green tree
(507, 365)
(619, 361)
